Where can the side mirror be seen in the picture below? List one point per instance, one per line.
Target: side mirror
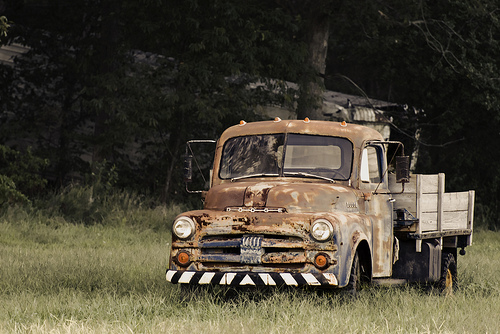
(188, 168)
(202, 156)
(403, 169)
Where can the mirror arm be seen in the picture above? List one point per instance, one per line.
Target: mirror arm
(188, 164)
(402, 165)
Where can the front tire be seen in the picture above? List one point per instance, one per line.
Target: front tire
(354, 285)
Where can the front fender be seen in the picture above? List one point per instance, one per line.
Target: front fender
(351, 239)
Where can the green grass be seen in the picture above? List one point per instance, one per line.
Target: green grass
(59, 277)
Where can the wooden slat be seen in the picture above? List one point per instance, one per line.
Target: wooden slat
(456, 201)
(451, 220)
(455, 220)
(429, 202)
(427, 222)
(429, 184)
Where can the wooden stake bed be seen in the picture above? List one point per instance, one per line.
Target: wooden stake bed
(438, 214)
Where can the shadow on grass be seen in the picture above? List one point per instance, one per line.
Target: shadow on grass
(192, 294)
(238, 295)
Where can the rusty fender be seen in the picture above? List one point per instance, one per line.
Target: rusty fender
(354, 229)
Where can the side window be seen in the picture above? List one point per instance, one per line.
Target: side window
(370, 165)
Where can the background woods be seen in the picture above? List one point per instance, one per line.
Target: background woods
(109, 91)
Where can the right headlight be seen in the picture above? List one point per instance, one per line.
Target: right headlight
(321, 230)
(183, 227)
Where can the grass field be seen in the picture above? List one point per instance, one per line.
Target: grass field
(59, 277)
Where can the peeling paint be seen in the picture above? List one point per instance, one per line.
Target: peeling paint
(355, 238)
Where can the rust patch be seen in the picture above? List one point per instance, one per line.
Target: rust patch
(256, 195)
(292, 257)
(224, 195)
(355, 237)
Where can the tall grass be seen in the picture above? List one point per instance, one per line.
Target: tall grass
(108, 277)
(88, 206)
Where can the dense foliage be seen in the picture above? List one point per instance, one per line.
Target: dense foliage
(84, 94)
(442, 57)
(116, 87)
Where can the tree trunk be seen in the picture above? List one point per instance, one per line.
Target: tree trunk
(316, 15)
(310, 102)
(105, 63)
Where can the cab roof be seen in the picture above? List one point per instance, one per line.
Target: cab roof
(358, 134)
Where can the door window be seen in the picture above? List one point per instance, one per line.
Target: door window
(370, 165)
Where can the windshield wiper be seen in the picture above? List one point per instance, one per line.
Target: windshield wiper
(302, 174)
(252, 175)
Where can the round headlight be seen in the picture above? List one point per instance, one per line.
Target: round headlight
(183, 227)
(321, 230)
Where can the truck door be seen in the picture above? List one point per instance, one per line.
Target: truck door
(378, 206)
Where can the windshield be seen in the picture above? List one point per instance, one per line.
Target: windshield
(286, 155)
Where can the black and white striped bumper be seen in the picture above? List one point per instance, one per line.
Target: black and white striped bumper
(251, 278)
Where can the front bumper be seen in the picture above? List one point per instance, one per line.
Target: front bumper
(251, 278)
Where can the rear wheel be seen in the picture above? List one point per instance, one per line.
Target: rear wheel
(448, 281)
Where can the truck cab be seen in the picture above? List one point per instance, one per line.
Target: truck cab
(301, 202)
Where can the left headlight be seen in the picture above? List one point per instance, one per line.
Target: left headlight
(183, 227)
(321, 230)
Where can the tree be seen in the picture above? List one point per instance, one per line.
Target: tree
(83, 88)
(315, 17)
(440, 57)
(215, 51)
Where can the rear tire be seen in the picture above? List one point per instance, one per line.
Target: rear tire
(448, 281)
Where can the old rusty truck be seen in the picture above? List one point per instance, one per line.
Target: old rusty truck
(317, 203)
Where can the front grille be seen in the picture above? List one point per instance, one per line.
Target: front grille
(248, 250)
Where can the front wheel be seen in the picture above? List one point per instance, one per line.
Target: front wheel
(354, 285)
(448, 282)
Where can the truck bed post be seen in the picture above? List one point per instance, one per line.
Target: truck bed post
(419, 211)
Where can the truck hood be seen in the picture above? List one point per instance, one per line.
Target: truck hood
(292, 196)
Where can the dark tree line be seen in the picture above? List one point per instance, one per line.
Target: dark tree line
(121, 85)
(441, 56)
(85, 96)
